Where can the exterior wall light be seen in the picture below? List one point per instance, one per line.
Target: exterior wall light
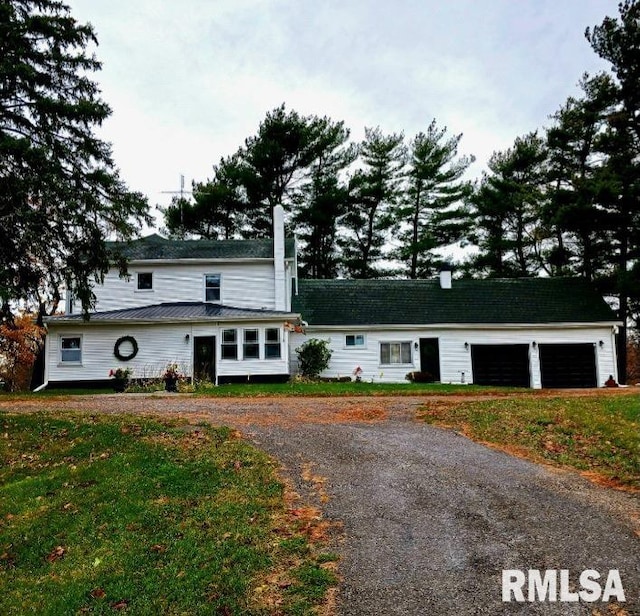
(186, 338)
(534, 344)
(466, 346)
(601, 343)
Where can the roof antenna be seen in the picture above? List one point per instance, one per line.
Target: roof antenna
(182, 192)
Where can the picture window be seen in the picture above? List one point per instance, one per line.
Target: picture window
(395, 353)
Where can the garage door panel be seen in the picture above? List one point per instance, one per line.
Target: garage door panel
(501, 364)
(568, 365)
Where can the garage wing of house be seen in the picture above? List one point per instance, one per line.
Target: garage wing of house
(533, 332)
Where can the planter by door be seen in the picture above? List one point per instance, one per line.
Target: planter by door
(171, 384)
(119, 385)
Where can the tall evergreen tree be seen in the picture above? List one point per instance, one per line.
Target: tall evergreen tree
(618, 41)
(60, 194)
(323, 201)
(506, 211)
(432, 214)
(574, 212)
(374, 192)
(273, 165)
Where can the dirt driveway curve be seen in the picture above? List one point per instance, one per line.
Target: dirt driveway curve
(430, 518)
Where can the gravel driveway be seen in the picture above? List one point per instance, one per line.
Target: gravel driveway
(430, 519)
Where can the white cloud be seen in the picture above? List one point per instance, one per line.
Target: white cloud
(189, 81)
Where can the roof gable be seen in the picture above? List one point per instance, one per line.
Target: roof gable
(469, 301)
(156, 247)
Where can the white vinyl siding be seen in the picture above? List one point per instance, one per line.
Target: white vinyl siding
(455, 358)
(70, 349)
(246, 285)
(158, 345)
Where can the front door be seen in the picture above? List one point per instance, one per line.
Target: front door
(430, 357)
(204, 358)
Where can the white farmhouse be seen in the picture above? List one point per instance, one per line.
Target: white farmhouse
(225, 311)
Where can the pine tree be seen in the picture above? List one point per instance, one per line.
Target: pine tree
(432, 214)
(506, 211)
(374, 192)
(618, 41)
(60, 195)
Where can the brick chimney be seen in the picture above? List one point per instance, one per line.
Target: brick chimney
(445, 276)
(278, 258)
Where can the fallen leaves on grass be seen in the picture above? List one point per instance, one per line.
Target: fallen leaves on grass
(98, 593)
(57, 553)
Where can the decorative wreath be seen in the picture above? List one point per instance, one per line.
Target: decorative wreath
(116, 348)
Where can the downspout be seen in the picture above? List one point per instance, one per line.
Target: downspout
(46, 362)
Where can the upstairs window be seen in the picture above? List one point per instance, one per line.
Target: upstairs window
(71, 349)
(395, 353)
(212, 288)
(272, 348)
(354, 340)
(251, 344)
(145, 281)
(229, 344)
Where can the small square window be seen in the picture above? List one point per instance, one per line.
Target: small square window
(145, 281)
(251, 346)
(212, 288)
(71, 349)
(354, 340)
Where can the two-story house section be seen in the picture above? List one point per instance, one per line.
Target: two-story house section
(218, 309)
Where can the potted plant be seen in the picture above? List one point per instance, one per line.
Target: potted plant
(120, 378)
(171, 377)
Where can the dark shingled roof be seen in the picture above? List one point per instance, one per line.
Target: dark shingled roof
(179, 311)
(422, 302)
(157, 247)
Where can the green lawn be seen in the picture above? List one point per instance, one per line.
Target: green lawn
(300, 388)
(102, 514)
(597, 433)
(293, 388)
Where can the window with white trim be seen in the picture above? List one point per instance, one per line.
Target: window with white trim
(145, 281)
(70, 349)
(354, 341)
(251, 344)
(272, 347)
(395, 353)
(229, 344)
(212, 287)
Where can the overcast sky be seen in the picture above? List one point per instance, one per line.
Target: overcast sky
(188, 81)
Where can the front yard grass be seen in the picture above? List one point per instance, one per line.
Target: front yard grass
(352, 388)
(597, 434)
(103, 514)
